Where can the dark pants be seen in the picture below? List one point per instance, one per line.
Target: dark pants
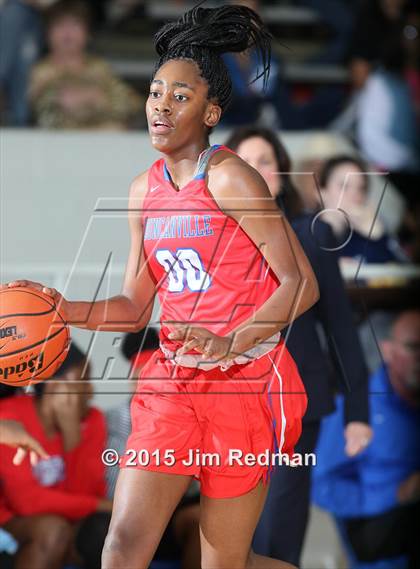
(391, 535)
(6, 561)
(90, 539)
(281, 529)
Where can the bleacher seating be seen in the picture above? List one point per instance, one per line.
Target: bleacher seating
(299, 36)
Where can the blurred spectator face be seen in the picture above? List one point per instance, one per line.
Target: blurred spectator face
(260, 155)
(346, 187)
(68, 35)
(76, 381)
(402, 351)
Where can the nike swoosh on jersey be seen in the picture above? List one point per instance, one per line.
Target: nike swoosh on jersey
(155, 188)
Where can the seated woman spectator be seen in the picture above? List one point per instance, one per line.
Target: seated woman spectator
(57, 508)
(310, 158)
(181, 539)
(72, 89)
(361, 236)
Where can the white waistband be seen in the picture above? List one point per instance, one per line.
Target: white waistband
(195, 360)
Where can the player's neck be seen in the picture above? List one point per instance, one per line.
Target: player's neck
(181, 164)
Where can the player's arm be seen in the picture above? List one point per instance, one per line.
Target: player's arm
(241, 193)
(132, 309)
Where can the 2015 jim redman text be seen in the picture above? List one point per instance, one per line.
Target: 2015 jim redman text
(144, 457)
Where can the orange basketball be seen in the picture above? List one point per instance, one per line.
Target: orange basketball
(32, 347)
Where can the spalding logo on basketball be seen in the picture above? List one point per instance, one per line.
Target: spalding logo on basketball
(34, 338)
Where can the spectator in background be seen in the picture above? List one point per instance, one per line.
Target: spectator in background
(386, 126)
(281, 529)
(310, 158)
(58, 504)
(361, 236)
(375, 497)
(13, 434)
(72, 89)
(181, 538)
(376, 22)
(382, 113)
(20, 47)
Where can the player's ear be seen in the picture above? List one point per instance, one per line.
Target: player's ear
(212, 114)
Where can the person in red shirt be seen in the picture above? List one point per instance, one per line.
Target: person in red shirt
(42, 505)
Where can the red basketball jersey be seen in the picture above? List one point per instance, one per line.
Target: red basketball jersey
(208, 271)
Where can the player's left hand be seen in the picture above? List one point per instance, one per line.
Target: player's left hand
(358, 435)
(211, 346)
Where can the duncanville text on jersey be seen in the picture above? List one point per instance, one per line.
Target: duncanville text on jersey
(178, 226)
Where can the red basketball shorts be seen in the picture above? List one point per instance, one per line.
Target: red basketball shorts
(220, 427)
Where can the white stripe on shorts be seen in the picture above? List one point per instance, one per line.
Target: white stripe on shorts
(283, 416)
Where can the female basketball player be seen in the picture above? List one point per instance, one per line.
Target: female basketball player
(230, 274)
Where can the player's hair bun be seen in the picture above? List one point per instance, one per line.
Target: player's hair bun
(224, 29)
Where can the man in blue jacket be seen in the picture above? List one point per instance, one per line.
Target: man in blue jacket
(375, 497)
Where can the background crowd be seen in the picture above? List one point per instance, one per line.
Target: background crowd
(339, 67)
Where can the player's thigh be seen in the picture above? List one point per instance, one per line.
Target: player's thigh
(227, 526)
(143, 504)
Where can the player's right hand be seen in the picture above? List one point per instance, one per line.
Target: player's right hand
(59, 300)
(29, 284)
